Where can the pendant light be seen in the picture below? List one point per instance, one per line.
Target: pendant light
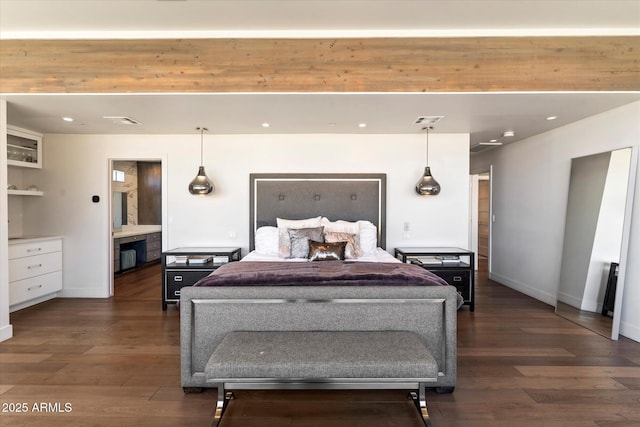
(201, 184)
(427, 185)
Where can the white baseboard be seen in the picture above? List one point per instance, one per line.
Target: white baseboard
(525, 289)
(82, 293)
(630, 331)
(6, 332)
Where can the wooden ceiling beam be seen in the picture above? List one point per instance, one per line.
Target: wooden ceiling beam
(464, 64)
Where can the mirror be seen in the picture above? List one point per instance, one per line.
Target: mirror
(596, 240)
(119, 210)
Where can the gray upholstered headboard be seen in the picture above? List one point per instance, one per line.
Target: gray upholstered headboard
(349, 197)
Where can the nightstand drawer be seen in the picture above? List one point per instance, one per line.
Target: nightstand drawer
(461, 279)
(177, 279)
(455, 265)
(177, 275)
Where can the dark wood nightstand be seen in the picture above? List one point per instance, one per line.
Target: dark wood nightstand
(176, 275)
(455, 265)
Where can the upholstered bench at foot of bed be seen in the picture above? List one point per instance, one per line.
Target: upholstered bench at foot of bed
(321, 359)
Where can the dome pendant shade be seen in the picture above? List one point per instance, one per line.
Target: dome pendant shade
(427, 186)
(201, 184)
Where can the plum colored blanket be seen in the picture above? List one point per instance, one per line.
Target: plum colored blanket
(324, 273)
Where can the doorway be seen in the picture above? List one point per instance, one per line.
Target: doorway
(480, 219)
(136, 215)
(484, 214)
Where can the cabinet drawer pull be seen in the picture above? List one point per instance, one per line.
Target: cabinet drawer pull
(178, 278)
(34, 250)
(34, 266)
(457, 278)
(177, 293)
(34, 287)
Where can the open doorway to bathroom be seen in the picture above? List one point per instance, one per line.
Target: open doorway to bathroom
(136, 215)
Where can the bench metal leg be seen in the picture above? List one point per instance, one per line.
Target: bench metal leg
(420, 400)
(221, 404)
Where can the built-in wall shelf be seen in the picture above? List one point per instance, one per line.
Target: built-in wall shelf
(24, 148)
(24, 193)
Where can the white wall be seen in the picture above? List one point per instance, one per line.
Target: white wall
(77, 167)
(530, 188)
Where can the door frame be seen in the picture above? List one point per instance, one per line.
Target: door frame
(473, 215)
(164, 202)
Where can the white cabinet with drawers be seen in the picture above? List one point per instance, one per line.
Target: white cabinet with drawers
(35, 270)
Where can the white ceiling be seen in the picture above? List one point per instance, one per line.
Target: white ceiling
(328, 16)
(484, 116)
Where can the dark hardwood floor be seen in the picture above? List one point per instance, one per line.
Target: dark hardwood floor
(115, 362)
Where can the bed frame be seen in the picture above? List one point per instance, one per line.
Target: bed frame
(208, 314)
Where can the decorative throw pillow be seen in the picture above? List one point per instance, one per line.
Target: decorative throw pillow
(319, 251)
(284, 243)
(352, 249)
(300, 240)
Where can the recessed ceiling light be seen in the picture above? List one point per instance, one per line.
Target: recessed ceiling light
(362, 125)
(332, 124)
(67, 119)
(508, 133)
(265, 125)
(552, 117)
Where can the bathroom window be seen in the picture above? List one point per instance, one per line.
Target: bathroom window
(118, 176)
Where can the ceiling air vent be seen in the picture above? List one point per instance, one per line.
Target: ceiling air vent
(122, 120)
(427, 120)
(482, 146)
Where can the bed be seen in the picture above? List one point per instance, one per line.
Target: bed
(269, 292)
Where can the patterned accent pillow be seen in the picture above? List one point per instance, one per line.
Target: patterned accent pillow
(284, 243)
(352, 249)
(300, 240)
(333, 251)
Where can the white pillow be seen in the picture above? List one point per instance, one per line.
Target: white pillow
(284, 243)
(340, 226)
(266, 241)
(368, 238)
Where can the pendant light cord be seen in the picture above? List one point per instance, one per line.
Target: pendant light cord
(201, 129)
(427, 128)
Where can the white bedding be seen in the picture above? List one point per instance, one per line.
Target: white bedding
(380, 255)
